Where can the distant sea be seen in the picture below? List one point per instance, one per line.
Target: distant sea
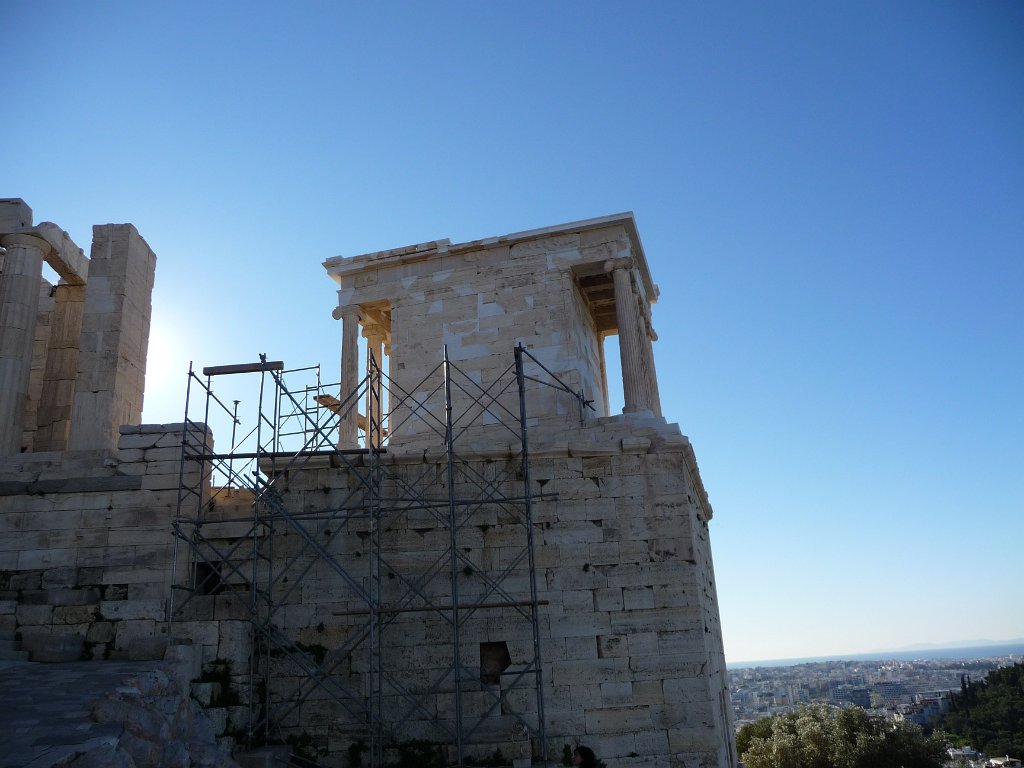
(977, 652)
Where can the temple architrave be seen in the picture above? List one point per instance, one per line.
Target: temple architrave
(455, 549)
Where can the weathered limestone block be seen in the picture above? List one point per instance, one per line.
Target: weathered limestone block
(74, 614)
(30, 559)
(100, 632)
(15, 215)
(34, 615)
(129, 632)
(612, 720)
(132, 609)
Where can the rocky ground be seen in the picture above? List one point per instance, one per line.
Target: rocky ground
(101, 715)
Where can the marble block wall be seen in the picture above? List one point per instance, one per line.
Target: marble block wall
(630, 641)
(86, 545)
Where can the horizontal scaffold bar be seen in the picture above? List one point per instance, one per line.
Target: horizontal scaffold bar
(280, 454)
(429, 608)
(220, 370)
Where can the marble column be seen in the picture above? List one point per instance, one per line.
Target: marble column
(652, 373)
(19, 305)
(53, 420)
(348, 425)
(374, 335)
(604, 373)
(630, 344)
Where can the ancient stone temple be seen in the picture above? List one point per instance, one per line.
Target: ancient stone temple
(72, 355)
(455, 551)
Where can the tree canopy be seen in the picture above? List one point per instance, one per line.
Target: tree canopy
(989, 715)
(820, 736)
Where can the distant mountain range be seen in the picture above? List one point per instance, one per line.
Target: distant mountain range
(953, 644)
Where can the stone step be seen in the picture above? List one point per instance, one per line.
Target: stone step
(9, 645)
(13, 655)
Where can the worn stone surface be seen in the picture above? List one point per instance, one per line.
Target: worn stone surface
(19, 305)
(114, 337)
(105, 714)
(72, 356)
(547, 289)
(87, 552)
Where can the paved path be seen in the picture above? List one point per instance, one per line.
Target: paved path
(44, 708)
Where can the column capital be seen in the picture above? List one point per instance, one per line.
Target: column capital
(25, 241)
(621, 262)
(372, 330)
(645, 310)
(349, 310)
(648, 318)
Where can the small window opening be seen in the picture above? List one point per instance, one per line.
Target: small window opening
(208, 580)
(494, 659)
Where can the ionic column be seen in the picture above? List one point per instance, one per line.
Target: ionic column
(604, 374)
(630, 344)
(374, 335)
(652, 373)
(348, 425)
(19, 304)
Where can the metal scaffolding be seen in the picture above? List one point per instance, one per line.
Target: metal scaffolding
(286, 511)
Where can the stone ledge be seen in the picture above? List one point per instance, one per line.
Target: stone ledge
(71, 485)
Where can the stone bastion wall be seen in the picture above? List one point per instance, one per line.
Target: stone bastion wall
(630, 643)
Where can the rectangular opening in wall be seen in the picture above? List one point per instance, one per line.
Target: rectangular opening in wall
(597, 294)
(613, 374)
(207, 579)
(372, 418)
(494, 659)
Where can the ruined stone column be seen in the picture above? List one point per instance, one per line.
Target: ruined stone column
(114, 338)
(348, 432)
(53, 420)
(627, 317)
(19, 304)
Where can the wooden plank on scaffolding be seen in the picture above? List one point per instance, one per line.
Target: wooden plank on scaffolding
(221, 370)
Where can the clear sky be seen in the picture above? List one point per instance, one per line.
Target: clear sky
(831, 197)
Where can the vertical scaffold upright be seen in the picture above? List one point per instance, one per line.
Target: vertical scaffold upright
(357, 592)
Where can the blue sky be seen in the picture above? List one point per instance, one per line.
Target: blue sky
(831, 197)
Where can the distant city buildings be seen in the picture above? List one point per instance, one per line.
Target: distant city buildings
(915, 691)
(1002, 762)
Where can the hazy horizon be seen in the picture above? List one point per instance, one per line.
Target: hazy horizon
(1016, 644)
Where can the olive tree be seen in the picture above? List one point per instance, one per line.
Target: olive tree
(821, 736)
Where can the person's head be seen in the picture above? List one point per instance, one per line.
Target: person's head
(584, 757)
